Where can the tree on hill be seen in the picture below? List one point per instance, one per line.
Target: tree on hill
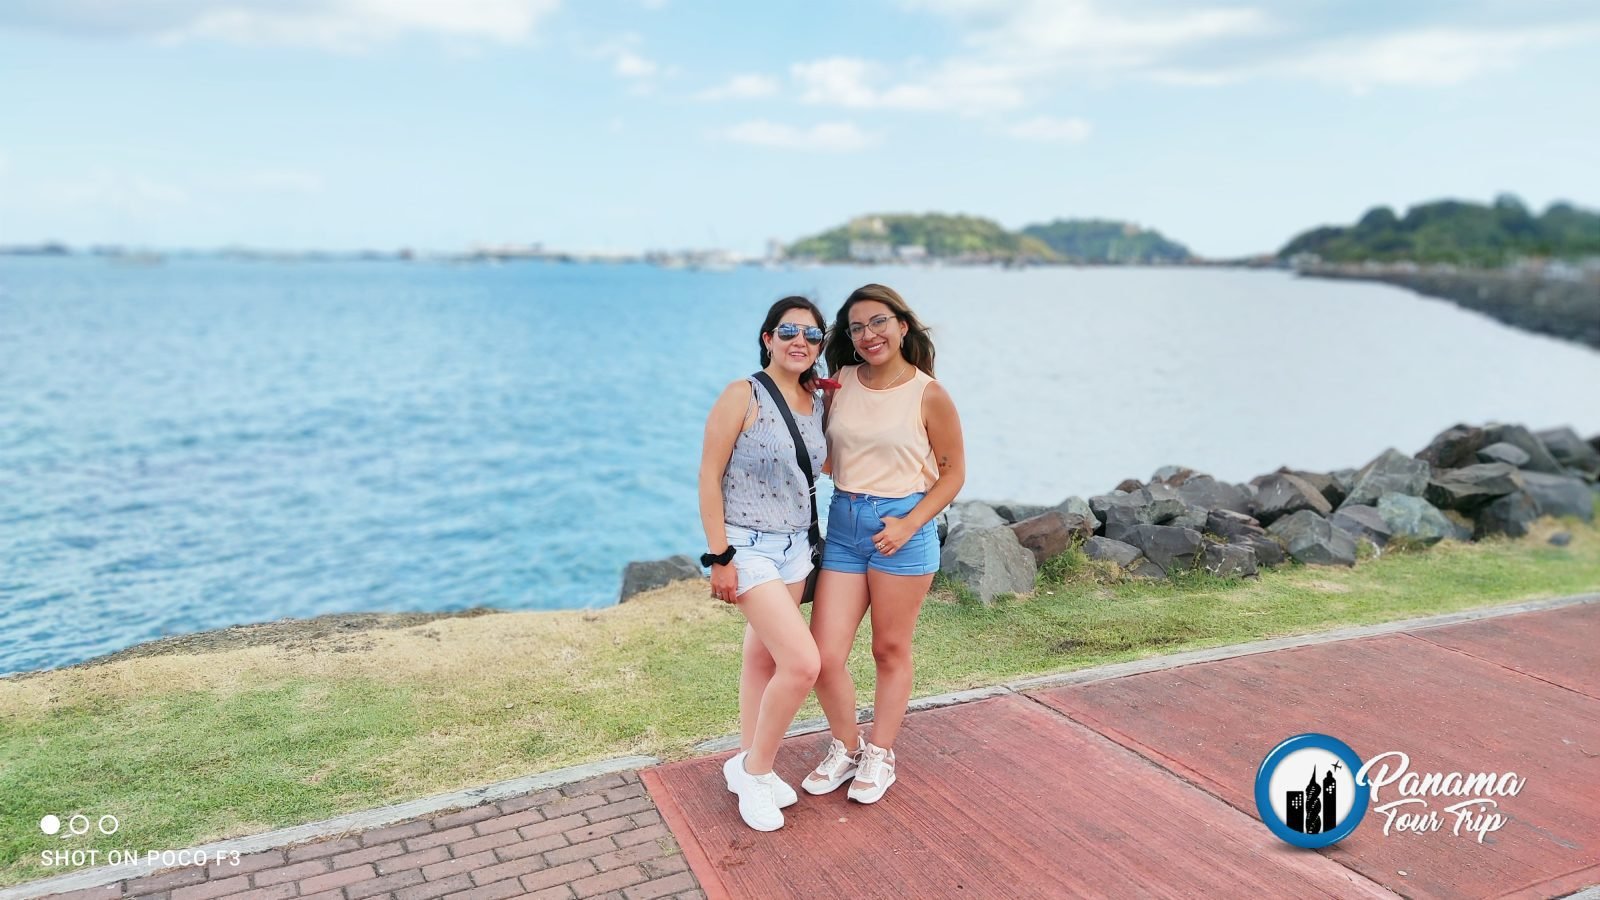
(903, 236)
(1104, 241)
(1454, 231)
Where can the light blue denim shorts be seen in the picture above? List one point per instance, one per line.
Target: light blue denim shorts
(763, 556)
(853, 519)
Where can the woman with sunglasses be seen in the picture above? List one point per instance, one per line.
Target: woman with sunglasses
(897, 460)
(755, 505)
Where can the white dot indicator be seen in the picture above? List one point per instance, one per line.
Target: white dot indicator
(49, 824)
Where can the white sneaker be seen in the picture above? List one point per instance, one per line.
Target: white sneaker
(835, 769)
(757, 805)
(781, 791)
(875, 775)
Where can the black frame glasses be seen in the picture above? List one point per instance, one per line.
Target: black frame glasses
(788, 331)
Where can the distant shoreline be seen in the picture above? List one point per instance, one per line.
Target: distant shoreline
(1566, 307)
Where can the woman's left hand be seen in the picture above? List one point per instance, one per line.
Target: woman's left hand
(896, 531)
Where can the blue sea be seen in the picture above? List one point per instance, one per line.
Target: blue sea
(205, 442)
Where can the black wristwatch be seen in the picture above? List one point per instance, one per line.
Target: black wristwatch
(718, 559)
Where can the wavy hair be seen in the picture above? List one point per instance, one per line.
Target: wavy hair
(917, 347)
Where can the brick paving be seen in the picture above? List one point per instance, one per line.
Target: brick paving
(600, 838)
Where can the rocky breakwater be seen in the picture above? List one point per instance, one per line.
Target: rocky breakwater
(1468, 483)
(1565, 304)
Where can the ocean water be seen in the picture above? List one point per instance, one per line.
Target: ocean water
(202, 443)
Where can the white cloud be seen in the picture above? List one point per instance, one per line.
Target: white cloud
(960, 85)
(631, 65)
(1052, 130)
(1438, 57)
(343, 25)
(1091, 35)
(826, 137)
(741, 87)
(1043, 41)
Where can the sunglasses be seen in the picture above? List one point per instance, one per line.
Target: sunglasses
(788, 331)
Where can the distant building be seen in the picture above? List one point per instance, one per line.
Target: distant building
(911, 252)
(871, 251)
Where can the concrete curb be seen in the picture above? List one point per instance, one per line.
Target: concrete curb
(358, 821)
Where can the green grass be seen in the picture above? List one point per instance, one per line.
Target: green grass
(190, 749)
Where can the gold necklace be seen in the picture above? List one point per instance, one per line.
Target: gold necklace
(896, 377)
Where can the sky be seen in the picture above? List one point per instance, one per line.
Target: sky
(629, 125)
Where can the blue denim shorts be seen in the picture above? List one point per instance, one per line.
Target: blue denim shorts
(852, 521)
(763, 556)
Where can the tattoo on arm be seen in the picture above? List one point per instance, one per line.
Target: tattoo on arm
(944, 463)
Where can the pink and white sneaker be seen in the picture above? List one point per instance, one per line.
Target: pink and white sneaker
(874, 776)
(835, 769)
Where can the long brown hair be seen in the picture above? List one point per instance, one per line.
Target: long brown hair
(774, 315)
(917, 347)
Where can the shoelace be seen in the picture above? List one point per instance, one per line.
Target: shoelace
(837, 756)
(870, 763)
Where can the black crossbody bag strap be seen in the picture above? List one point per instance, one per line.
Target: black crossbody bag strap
(800, 452)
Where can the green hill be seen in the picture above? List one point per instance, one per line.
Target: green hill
(906, 237)
(1105, 241)
(1454, 231)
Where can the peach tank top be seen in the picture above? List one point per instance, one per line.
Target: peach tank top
(877, 442)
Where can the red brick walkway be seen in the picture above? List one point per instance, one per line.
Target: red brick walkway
(595, 838)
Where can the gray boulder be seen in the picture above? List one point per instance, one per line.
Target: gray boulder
(1470, 487)
(1503, 452)
(1227, 523)
(1362, 522)
(1120, 519)
(1208, 493)
(1560, 539)
(1228, 560)
(1454, 447)
(1570, 450)
(1114, 551)
(1392, 472)
(1172, 548)
(1560, 495)
(988, 561)
(1281, 494)
(1329, 488)
(1313, 540)
(1268, 549)
(1144, 568)
(971, 514)
(1049, 534)
(1100, 503)
(1539, 458)
(639, 577)
(1076, 506)
(1510, 515)
(1013, 512)
(1415, 518)
(1344, 480)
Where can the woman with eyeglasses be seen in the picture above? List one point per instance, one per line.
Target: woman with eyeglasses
(756, 507)
(897, 460)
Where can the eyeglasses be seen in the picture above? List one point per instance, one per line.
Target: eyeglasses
(788, 331)
(878, 324)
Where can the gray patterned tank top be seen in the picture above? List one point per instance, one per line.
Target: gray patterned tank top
(763, 487)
